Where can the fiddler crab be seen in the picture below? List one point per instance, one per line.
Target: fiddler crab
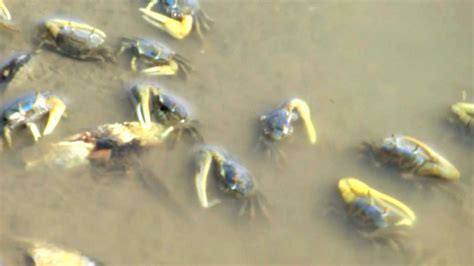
(277, 124)
(152, 58)
(381, 217)
(148, 99)
(232, 178)
(27, 110)
(177, 17)
(412, 155)
(41, 253)
(74, 39)
(5, 17)
(10, 68)
(106, 144)
(465, 113)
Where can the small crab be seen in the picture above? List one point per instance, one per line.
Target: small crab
(5, 17)
(381, 217)
(412, 155)
(41, 253)
(26, 110)
(277, 124)
(465, 113)
(232, 177)
(177, 17)
(152, 58)
(74, 39)
(148, 99)
(102, 145)
(10, 68)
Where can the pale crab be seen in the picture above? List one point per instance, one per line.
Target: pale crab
(232, 177)
(176, 17)
(75, 39)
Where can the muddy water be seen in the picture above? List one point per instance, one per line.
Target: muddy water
(367, 69)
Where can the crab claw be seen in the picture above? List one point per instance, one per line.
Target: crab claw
(351, 189)
(464, 111)
(204, 163)
(179, 29)
(57, 110)
(163, 70)
(4, 13)
(54, 26)
(303, 110)
(142, 96)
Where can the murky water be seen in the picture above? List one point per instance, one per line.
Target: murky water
(367, 69)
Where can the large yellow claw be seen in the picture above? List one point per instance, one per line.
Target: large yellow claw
(205, 162)
(56, 111)
(464, 111)
(179, 29)
(4, 13)
(437, 166)
(45, 254)
(351, 189)
(303, 110)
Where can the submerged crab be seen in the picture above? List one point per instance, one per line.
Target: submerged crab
(148, 99)
(74, 39)
(5, 17)
(102, 145)
(10, 68)
(177, 17)
(412, 155)
(232, 177)
(27, 110)
(40, 253)
(381, 217)
(465, 113)
(152, 58)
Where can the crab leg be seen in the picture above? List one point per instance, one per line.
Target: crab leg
(4, 13)
(57, 110)
(303, 110)
(34, 131)
(205, 162)
(176, 28)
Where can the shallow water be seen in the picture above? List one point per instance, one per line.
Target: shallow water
(367, 69)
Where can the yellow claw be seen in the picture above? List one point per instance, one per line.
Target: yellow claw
(304, 112)
(45, 254)
(351, 189)
(143, 106)
(464, 111)
(56, 111)
(4, 13)
(205, 162)
(165, 70)
(179, 29)
(55, 25)
(438, 165)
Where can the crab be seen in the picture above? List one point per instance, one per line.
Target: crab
(277, 124)
(41, 253)
(75, 39)
(232, 178)
(177, 17)
(149, 99)
(26, 110)
(105, 144)
(10, 68)
(380, 217)
(465, 113)
(412, 155)
(5, 18)
(153, 58)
